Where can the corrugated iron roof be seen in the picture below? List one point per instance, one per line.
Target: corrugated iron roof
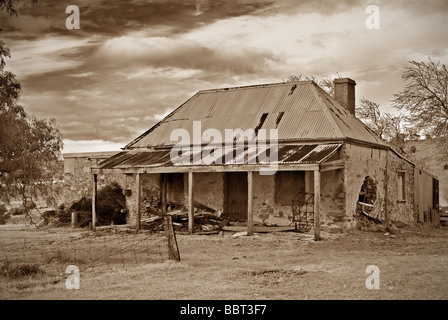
(90, 155)
(307, 113)
(286, 154)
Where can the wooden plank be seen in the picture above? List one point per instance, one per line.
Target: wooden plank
(94, 197)
(138, 196)
(366, 204)
(219, 168)
(332, 165)
(250, 212)
(190, 203)
(316, 205)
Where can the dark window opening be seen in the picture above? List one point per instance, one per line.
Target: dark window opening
(368, 191)
(279, 118)
(401, 186)
(260, 124)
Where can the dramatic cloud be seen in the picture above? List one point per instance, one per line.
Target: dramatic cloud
(132, 62)
(180, 53)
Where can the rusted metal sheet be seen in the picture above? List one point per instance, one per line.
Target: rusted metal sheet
(423, 194)
(347, 124)
(286, 154)
(137, 159)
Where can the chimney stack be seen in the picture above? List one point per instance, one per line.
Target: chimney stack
(344, 93)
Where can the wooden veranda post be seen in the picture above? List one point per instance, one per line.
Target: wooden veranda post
(163, 193)
(138, 196)
(190, 203)
(316, 205)
(250, 212)
(94, 196)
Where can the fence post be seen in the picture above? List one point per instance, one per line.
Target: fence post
(138, 196)
(94, 196)
(316, 205)
(173, 249)
(74, 218)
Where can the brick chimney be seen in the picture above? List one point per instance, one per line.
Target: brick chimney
(344, 93)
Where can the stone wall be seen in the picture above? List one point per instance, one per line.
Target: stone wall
(78, 183)
(383, 167)
(78, 178)
(208, 189)
(362, 162)
(400, 210)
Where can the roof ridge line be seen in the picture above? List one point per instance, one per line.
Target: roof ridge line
(325, 110)
(254, 86)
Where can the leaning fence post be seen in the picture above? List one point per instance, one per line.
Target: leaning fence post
(173, 249)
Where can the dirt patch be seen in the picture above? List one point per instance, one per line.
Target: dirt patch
(279, 265)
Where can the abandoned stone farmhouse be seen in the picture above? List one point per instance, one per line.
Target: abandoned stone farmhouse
(329, 165)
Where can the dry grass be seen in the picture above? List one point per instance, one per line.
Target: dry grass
(413, 265)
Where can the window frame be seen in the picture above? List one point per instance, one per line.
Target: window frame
(401, 186)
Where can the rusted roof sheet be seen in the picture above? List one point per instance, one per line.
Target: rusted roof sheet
(299, 110)
(286, 154)
(348, 124)
(128, 159)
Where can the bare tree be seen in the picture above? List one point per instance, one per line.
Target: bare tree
(425, 97)
(388, 127)
(325, 83)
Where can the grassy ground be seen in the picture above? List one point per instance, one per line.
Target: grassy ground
(413, 264)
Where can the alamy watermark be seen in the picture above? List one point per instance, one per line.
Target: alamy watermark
(373, 280)
(73, 20)
(240, 147)
(373, 20)
(73, 280)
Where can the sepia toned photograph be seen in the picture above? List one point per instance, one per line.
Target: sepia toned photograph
(223, 155)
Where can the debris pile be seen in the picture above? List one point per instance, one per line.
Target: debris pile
(206, 220)
(110, 208)
(367, 223)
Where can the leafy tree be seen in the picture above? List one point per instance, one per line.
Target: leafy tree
(8, 5)
(30, 149)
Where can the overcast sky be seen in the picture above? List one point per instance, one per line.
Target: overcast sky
(131, 62)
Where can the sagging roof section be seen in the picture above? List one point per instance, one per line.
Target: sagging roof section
(301, 111)
(286, 154)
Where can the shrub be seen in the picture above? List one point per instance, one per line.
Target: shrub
(445, 166)
(110, 202)
(17, 211)
(20, 270)
(30, 204)
(4, 216)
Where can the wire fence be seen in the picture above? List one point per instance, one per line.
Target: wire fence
(25, 252)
